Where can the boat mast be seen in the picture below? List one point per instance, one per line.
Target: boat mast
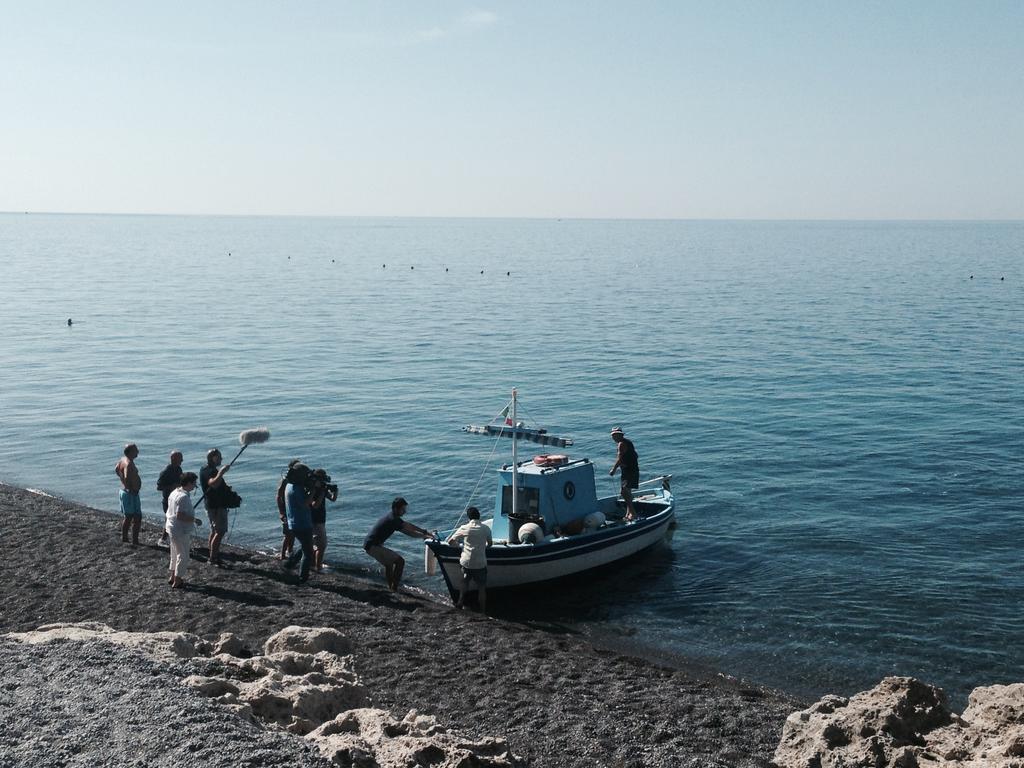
(515, 459)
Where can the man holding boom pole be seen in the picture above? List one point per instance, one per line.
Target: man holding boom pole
(212, 481)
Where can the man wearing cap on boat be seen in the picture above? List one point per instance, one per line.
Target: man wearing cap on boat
(626, 459)
(393, 562)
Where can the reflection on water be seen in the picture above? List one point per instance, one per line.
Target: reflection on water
(839, 404)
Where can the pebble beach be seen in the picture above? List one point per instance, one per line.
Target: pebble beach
(555, 697)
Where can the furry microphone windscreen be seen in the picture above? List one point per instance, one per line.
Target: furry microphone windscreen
(258, 435)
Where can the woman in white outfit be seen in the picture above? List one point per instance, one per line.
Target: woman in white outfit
(179, 522)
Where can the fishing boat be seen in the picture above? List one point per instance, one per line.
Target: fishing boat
(548, 522)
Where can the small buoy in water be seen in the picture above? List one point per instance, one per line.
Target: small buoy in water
(332, 261)
(69, 322)
(229, 253)
(507, 274)
(383, 266)
(481, 271)
(412, 267)
(1002, 278)
(972, 277)
(289, 258)
(446, 269)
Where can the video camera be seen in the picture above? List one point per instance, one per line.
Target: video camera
(320, 479)
(310, 480)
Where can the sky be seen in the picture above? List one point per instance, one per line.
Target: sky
(679, 110)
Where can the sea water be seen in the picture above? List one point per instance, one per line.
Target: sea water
(841, 405)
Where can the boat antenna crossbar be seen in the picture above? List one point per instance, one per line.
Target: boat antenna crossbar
(521, 432)
(507, 424)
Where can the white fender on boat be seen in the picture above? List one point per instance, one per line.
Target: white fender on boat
(531, 533)
(593, 521)
(429, 561)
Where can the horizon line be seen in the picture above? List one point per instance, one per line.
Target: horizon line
(722, 219)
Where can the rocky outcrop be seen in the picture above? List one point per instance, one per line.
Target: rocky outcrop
(164, 646)
(288, 690)
(308, 640)
(372, 737)
(304, 683)
(904, 723)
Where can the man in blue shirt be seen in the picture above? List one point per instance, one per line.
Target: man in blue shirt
(393, 562)
(300, 519)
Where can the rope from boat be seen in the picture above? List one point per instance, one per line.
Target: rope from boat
(476, 487)
(472, 495)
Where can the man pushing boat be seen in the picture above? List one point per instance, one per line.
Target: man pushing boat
(382, 530)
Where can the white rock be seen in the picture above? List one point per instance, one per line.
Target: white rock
(158, 645)
(903, 723)
(210, 686)
(308, 640)
(368, 737)
(230, 644)
(287, 700)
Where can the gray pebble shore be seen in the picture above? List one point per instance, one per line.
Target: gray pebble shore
(556, 698)
(97, 704)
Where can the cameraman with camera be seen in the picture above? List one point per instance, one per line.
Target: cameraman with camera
(321, 491)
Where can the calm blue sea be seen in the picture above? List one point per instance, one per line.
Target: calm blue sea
(841, 405)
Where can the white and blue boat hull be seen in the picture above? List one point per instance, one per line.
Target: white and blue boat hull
(515, 565)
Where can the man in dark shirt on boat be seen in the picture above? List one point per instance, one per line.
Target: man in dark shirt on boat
(382, 530)
(626, 459)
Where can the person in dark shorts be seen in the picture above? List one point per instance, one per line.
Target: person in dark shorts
(382, 530)
(475, 538)
(169, 480)
(627, 460)
(211, 479)
(323, 491)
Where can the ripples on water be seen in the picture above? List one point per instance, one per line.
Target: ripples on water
(840, 404)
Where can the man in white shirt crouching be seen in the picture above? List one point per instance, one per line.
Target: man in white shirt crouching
(475, 538)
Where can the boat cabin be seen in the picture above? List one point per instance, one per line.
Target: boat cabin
(555, 492)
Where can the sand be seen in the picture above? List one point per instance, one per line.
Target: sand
(556, 698)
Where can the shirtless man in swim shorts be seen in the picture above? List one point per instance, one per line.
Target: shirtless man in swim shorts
(131, 484)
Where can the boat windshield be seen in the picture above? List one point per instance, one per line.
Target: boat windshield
(528, 501)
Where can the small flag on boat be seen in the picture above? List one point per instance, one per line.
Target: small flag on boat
(504, 415)
(539, 436)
